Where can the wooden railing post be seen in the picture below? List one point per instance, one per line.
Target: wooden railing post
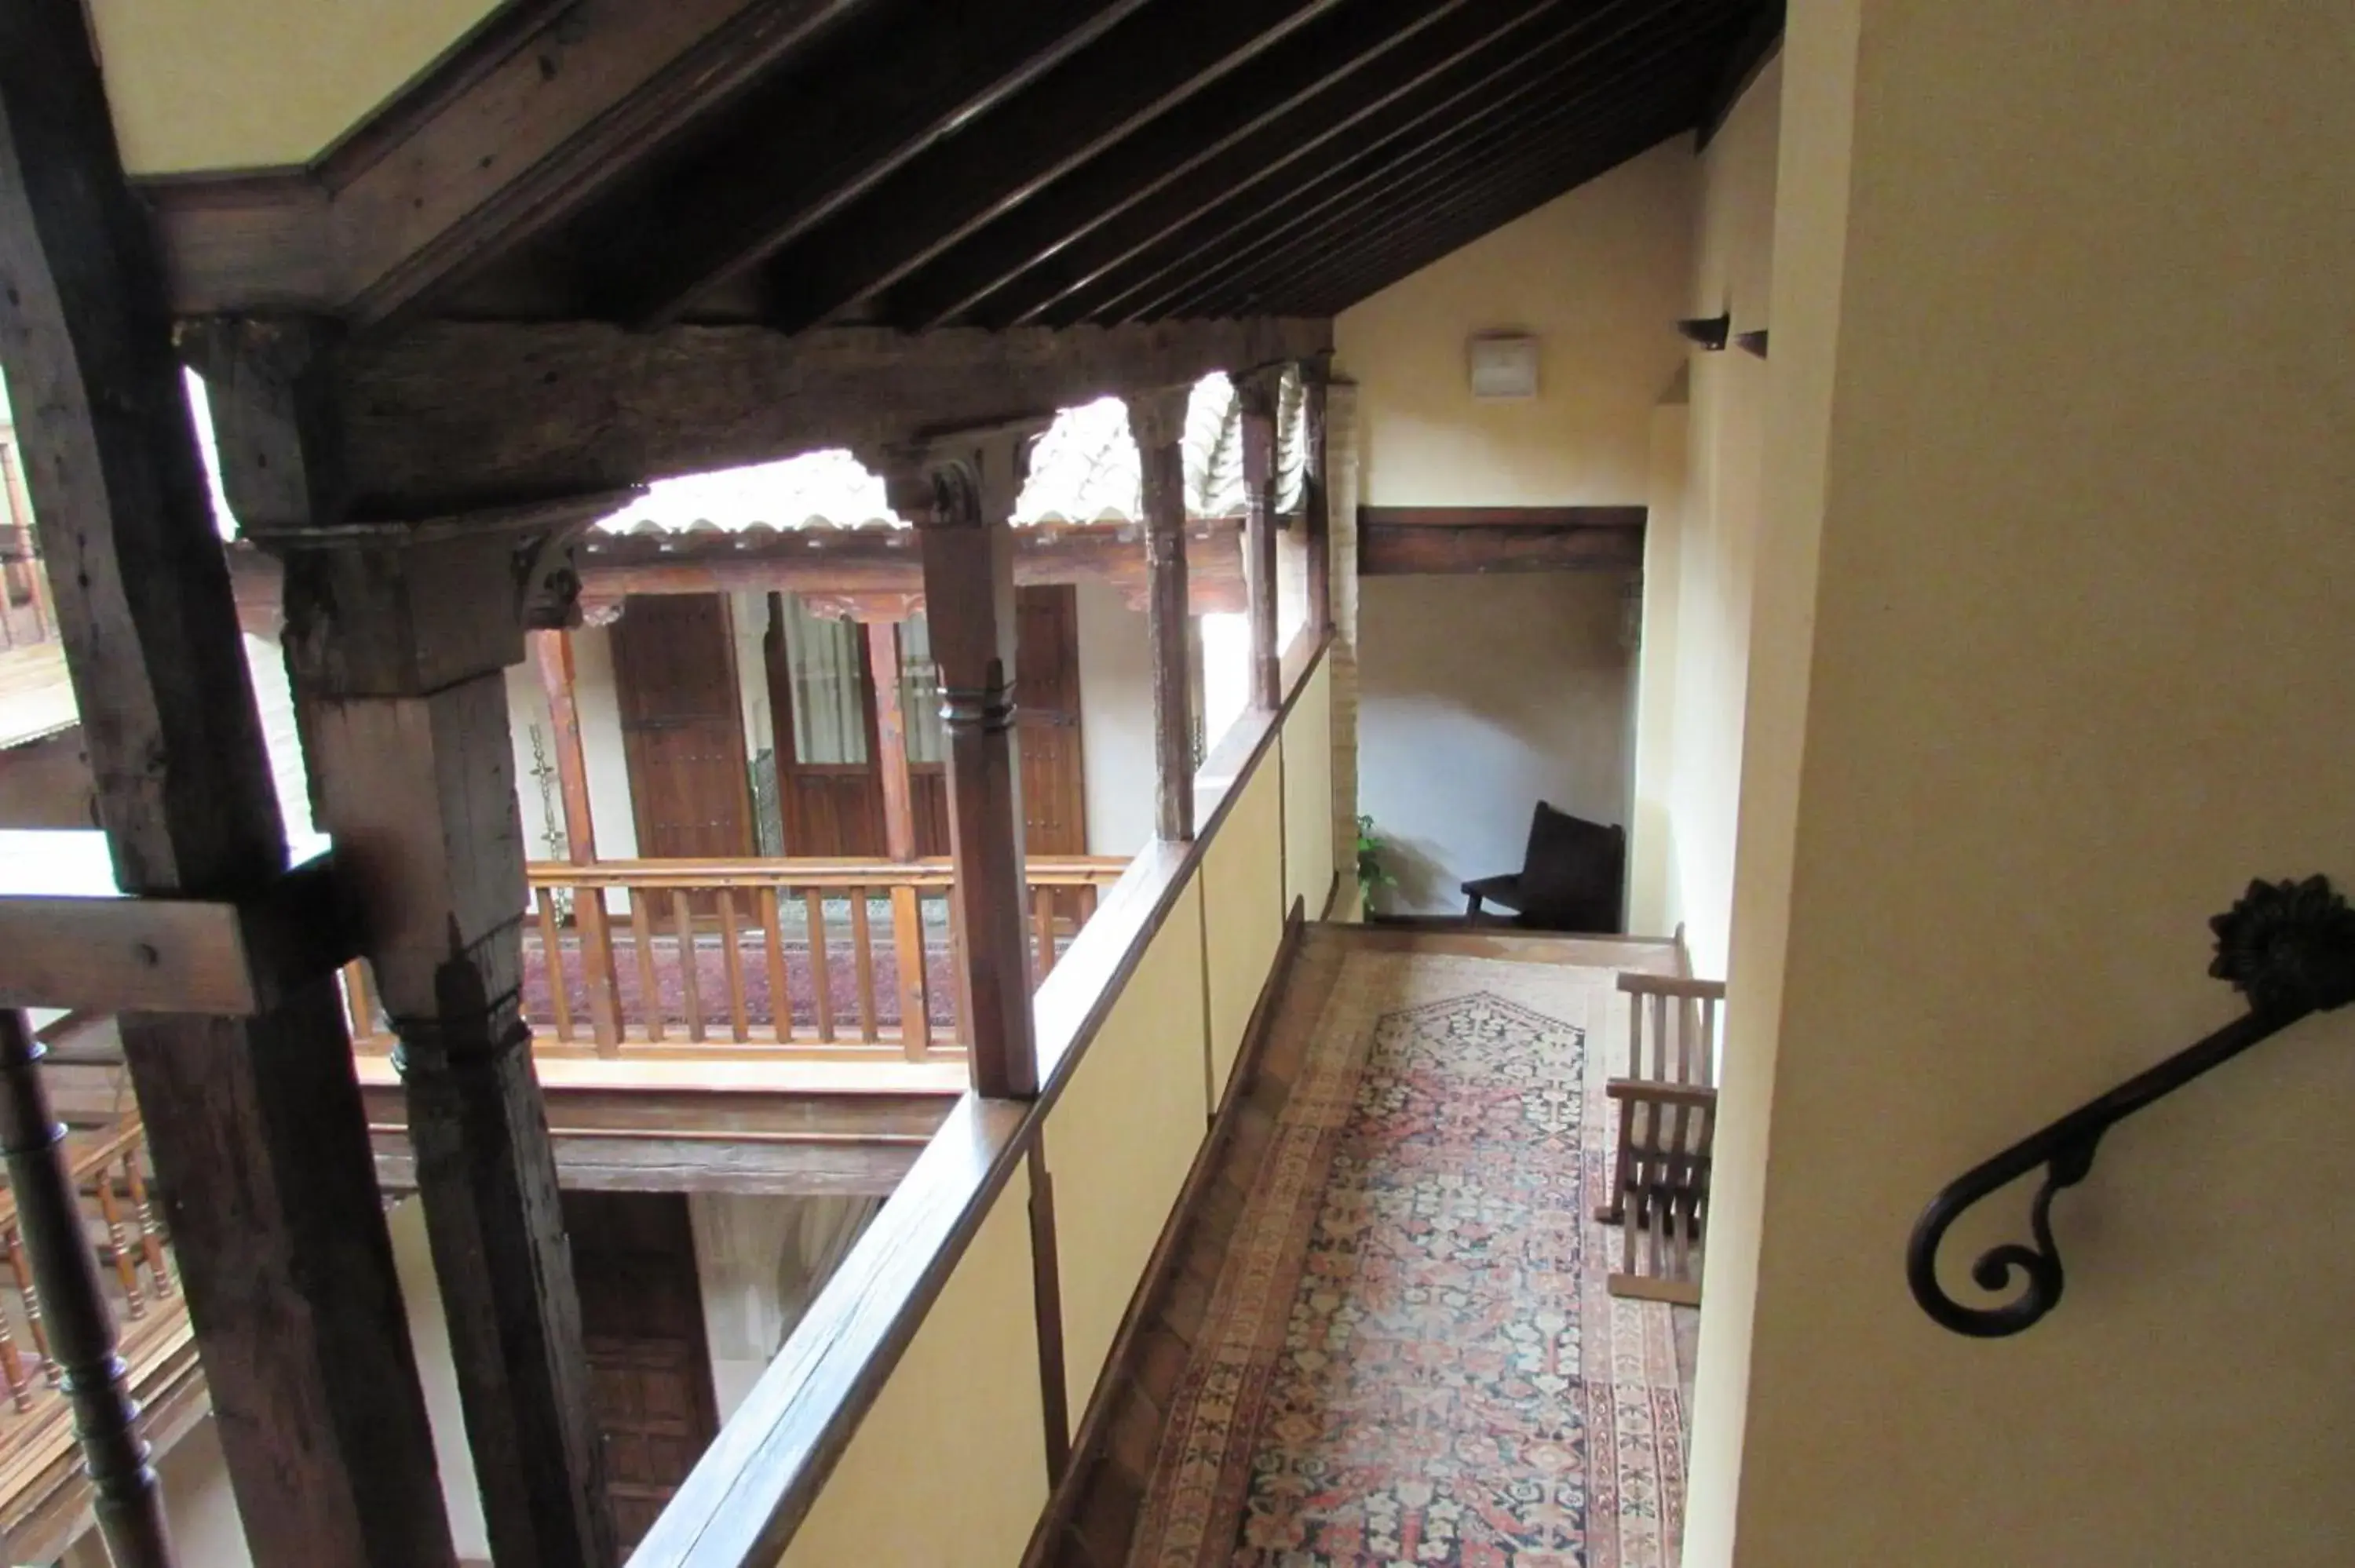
(259, 1139)
(1258, 392)
(552, 654)
(960, 493)
(130, 1504)
(1158, 421)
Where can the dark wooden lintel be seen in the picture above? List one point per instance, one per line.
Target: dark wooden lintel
(1402, 541)
(451, 416)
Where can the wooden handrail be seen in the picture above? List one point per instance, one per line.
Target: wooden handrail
(803, 872)
(730, 955)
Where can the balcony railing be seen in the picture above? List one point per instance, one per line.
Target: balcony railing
(44, 1495)
(820, 958)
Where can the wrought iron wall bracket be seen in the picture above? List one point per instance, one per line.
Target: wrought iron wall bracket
(2289, 947)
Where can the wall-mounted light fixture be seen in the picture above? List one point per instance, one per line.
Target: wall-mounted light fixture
(1708, 332)
(1502, 366)
(1751, 342)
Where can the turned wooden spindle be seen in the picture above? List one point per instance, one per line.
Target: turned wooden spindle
(130, 1506)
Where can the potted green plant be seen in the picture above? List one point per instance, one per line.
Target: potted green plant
(1372, 874)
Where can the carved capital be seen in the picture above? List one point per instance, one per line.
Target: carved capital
(1258, 392)
(1157, 418)
(958, 480)
(548, 580)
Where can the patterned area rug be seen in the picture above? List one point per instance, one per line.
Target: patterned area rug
(1410, 1355)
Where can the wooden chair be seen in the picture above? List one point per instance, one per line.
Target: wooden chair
(1668, 1125)
(1570, 880)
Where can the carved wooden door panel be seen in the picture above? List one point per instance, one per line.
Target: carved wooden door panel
(649, 1361)
(683, 727)
(1046, 699)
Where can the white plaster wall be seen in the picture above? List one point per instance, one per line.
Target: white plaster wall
(1116, 720)
(760, 1261)
(1479, 696)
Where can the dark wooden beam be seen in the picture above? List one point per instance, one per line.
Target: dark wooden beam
(449, 416)
(1449, 220)
(1158, 422)
(1530, 74)
(1396, 541)
(879, 564)
(892, 87)
(1742, 65)
(1026, 154)
(255, 1125)
(959, 494)
(536, 113)
(1257, 395)
(1255, 143)
(1526, 125)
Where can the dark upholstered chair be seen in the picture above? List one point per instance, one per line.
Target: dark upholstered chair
(1570, 878)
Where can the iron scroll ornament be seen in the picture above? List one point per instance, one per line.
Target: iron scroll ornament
(2289, 947)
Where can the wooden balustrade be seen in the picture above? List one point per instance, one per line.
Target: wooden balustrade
(817, 956)
(110, 1172)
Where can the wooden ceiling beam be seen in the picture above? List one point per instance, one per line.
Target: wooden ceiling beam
(1417, 541)
(1279, 156)
(1455, 224)
(1166, 277)
(534, 115)
(1320, 70)
(1142, 70)
(455, 417)
(817, 137)
(1558, 129)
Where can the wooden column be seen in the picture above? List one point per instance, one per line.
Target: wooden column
(1158, 421)
(255, 1124)
(130, 1504)
(900, 837)
(960, 494)
(1316, 495)
(552, 654)
(891, 740)
(398, 647)
(1257, 393)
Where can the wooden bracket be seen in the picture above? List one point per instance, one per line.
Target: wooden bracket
(71, 938)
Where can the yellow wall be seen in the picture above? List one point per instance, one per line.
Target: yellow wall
(1308, 796)
(2060, 398)
(1597, 274)
(214, 84)
(1121, 1138)
(1243, 912)
(1702, 556)
(949, 1467)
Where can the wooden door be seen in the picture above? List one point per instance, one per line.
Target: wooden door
(683, 727)
(649, 1360)
(1046, 704)
(825, 807)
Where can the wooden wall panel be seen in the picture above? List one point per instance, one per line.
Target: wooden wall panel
(1242, 911)
(949, 1467)
(1121, 1138)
